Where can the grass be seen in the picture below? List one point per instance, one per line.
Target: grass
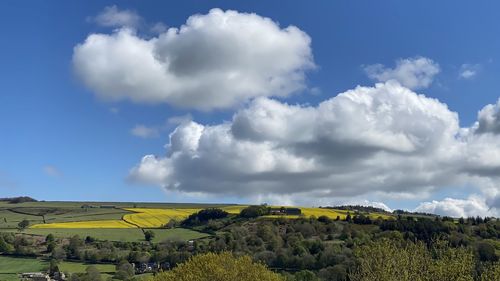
(177, 234)
(76, 267)
(9, 219)
(86, 224)
(117, 234)
(11, 266)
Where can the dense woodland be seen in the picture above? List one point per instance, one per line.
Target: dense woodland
(358, 248)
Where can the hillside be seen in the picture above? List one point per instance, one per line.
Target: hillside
(321, 242)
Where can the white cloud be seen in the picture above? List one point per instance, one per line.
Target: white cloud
(144, 131)
(52, 171)
(473, 206)
(111, 16)
(469, 71)
(368, 203)
(489, 119)
(217, 60)
(414, 73)
(384, 138)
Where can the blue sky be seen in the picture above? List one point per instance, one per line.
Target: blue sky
(60, 141)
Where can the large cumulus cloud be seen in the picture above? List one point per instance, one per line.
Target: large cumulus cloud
(473, 206)
(216, 60)
(385, 138)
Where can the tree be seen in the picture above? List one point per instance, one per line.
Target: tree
(53, 267)
(486, 252)
(149, 235)
(491, 272)
(221, 267)
(23, 224)
(305, 275)
(254, 211)
(49, 238)
(124, 271)
(348, 218)
(407, 261)
(204, 216)
(4, 246)
(93, 273)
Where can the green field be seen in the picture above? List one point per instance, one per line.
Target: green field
(59, 212)
(11, 266)
(76, 267)
(117, 234)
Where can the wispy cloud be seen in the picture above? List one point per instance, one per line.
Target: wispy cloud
(52, 171)
(146, 132)
(413, 73)
(111, 16)
(469, 71)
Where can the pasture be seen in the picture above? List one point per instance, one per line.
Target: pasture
(11, 266)
(116, 234)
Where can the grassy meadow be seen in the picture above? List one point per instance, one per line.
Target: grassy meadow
(11, 266)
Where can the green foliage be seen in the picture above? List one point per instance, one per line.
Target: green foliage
(219, 267)
(491, 272)
(149, 235)
(305, 275)
(388, 260)
(254, 211)
(23, 224)
(204, 216)
(4, 246)
(49, 238)
(124, 271)
(53, 266)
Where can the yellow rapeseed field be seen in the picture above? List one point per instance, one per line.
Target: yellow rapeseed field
(151, 218)
(234, 209)
(87, 224)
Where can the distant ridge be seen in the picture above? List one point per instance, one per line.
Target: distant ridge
(19, 199)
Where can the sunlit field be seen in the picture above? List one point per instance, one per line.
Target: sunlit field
(87, 224)
(159, 217)
(153, 218)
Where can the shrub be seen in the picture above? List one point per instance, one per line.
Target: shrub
(219, 267)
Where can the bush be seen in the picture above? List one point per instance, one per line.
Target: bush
(204, 216)
(219, 267)
(254, 211)
(407, 261)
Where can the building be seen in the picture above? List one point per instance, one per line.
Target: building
(144, 267)
(107, 207)
(34, 276)
(286, 211)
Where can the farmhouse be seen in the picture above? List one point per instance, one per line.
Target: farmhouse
(144, 267)
(34, 276)
(285, 211)
(107, 207)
